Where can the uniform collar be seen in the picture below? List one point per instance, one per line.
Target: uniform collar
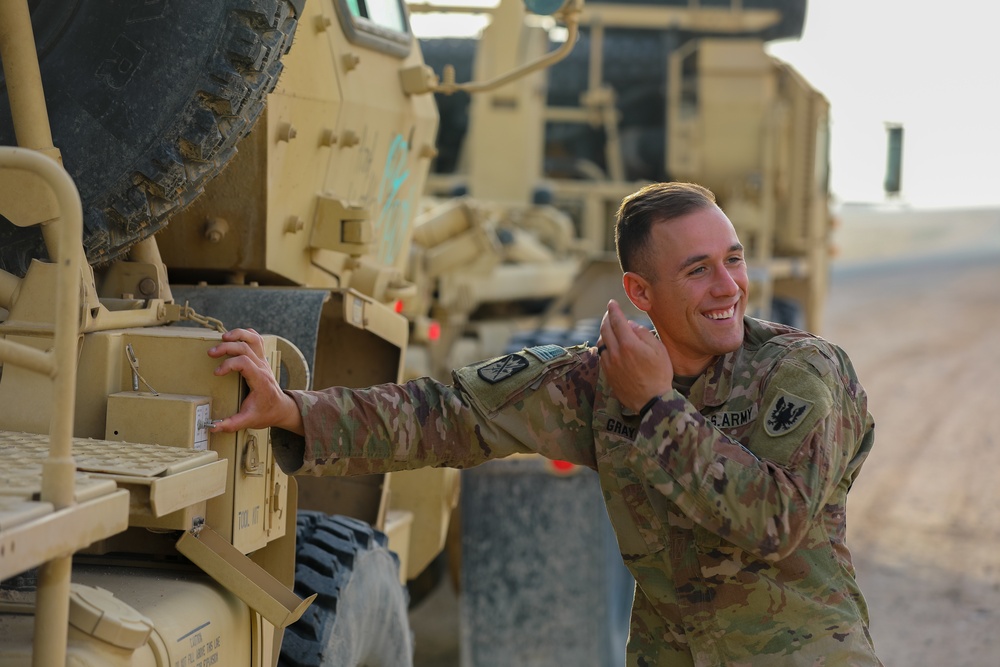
(711, 389)
(715, 385)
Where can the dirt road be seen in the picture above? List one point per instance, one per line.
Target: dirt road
(924, 517)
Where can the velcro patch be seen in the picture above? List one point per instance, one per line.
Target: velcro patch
(547, 352)
(785, 413)
(616, 427)
(503, 368)
(733, 418)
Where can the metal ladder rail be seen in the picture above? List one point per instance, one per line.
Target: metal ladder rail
(21, 69)
(59, 363)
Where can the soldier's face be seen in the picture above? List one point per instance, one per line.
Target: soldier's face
(697, 295)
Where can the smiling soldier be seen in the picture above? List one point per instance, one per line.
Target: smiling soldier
(725, 445)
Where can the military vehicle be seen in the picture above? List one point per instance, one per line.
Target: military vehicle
(653, 90)
(295, 206)
(287, 143)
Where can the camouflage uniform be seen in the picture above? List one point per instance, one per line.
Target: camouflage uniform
(728, 504)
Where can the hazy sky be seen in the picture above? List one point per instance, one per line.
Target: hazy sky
(932, 66)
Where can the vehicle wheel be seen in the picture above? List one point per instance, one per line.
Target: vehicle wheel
(360, 615)
(146, 102)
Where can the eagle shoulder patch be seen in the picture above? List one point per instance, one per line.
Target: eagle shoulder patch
(785, 413)
(503, 368)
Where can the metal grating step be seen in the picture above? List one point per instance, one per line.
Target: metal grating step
(106, 456)
(161, 481)
(14, 511)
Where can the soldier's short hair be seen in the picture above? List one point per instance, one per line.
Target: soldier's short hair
(656, 202)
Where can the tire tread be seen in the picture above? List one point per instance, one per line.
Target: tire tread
(229, 97)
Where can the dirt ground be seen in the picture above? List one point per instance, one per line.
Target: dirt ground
(915, 300)
(923, 328)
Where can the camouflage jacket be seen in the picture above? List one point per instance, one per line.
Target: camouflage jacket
(728, 504)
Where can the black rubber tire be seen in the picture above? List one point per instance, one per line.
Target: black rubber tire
(147, 102)
(360, 615)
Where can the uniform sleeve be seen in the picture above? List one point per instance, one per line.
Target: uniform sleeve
(765, 495)
(426, 423)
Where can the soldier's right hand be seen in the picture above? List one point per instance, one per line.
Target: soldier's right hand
(267, 404)
(634, 360)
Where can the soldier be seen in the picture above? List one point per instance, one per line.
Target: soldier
(725, 445)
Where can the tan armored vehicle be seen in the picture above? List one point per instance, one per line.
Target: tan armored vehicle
(129, 534)
(288, 143)
(652, 90)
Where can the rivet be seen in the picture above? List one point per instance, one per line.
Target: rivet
(215, 229)
(286, 132)
(147, 286)
(349, 138)
(351, 60)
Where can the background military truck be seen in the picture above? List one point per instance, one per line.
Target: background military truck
(653, 90)
(184, 540)
(309, 233)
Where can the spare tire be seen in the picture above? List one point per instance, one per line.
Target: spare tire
(147, 102)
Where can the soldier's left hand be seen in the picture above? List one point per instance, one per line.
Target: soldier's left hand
(242, 350)
(634, 360)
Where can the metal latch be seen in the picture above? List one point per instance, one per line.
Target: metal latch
(251, 458)
(342, 227)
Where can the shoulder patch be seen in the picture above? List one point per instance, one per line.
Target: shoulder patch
(547, 352)
(785, 413)
(503, 368)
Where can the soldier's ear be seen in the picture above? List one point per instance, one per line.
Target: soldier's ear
(637, 291)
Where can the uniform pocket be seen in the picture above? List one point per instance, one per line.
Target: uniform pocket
(639, 510)
(706, 539)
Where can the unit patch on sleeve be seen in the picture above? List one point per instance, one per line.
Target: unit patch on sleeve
(785, 413)
(503, 368)
(547, 352)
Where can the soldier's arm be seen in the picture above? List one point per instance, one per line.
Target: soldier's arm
(766, 496)
(486, 415)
